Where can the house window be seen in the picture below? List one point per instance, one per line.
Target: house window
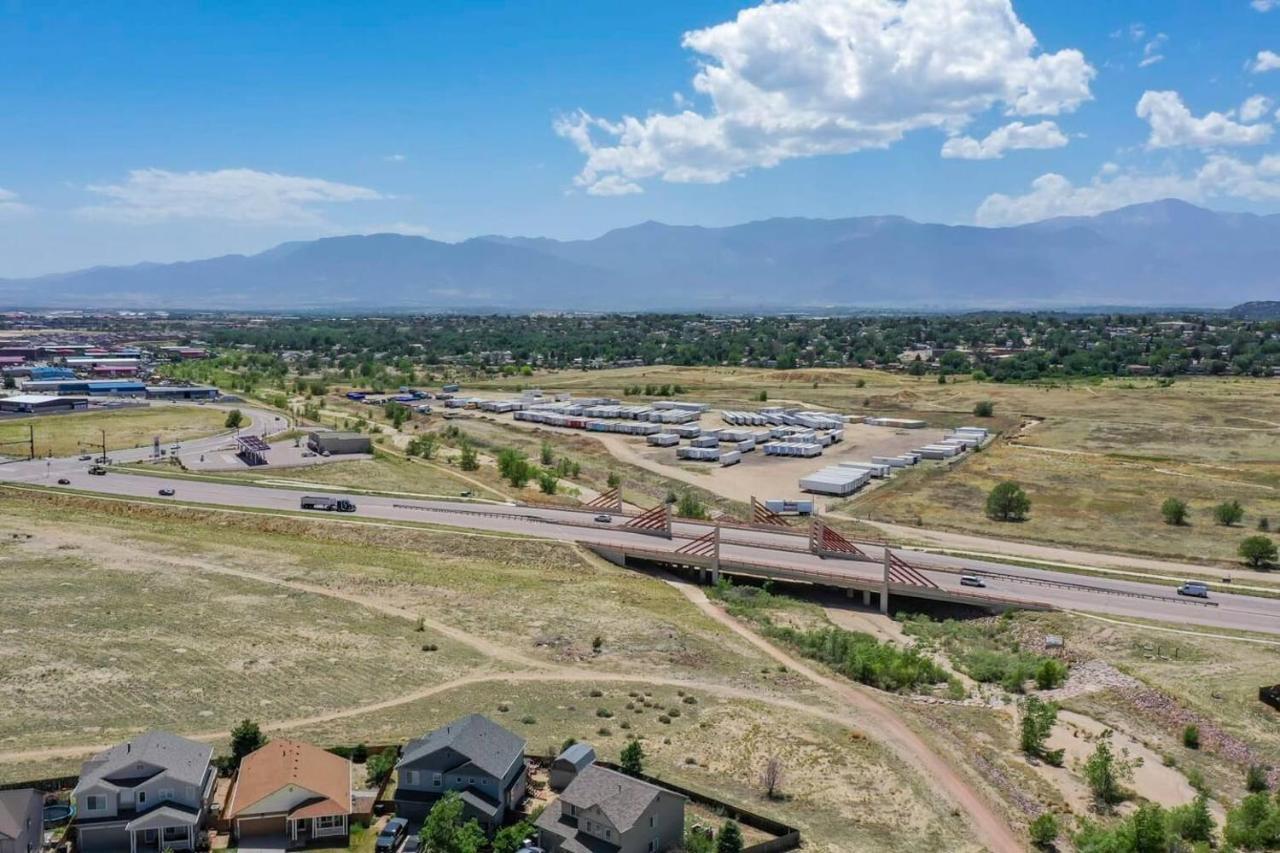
(175, 833)
(653, 846)
(94, 803)
(651, 821)
(411, 777)
(435, 780)
(142, 797)
(327, 822)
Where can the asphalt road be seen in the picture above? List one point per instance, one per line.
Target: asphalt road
(1120, 598)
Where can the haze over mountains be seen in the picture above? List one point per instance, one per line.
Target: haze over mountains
(1166, 253)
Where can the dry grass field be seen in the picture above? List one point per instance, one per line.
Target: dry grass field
(1097, 457)
(81, 432)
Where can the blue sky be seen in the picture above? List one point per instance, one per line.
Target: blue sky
(162, 131)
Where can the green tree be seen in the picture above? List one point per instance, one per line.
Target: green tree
(1044, 829)
(1191, 737)
(1193, 821)
(444, 831)
(1258, 551)
(690, 507)
(547, 453)
(511, 838)
(1254, 824)
(632, 759)
(1174, 511)
(1107, 772)
(246, 737)
(696, 840)
(235, 418)
(984, 409)
(547, 482)
(729, 838)
(1228, 513)
(378, 767)
(1008, 502)
(468, 459)
(613, 480)
(1036, 725)
(1150, 830)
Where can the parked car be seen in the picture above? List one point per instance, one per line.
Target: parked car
(1195, 589)
(86, 457)
(97, 470)
(166, 493)
(391, 835)
(412, 844)
(604, 519)
(972, 580)
(63, 481)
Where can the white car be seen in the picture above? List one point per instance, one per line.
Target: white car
(972, 580)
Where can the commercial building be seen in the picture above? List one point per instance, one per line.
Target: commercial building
(39, 404)
(182, 392)
(335, 443)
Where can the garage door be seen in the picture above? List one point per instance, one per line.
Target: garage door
(255, 827)
(103, 839)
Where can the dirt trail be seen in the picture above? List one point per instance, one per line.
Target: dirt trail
(990, 828)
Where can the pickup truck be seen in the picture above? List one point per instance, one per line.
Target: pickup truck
(328, 504)
(97, 470)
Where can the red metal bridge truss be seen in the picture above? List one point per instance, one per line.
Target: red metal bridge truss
(611, 499)
(656, 521)
(826, 542)
(761, 514)
(706, 545)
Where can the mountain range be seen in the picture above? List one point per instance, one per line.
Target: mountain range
(1165, 253)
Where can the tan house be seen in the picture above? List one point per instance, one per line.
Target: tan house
(291, 790)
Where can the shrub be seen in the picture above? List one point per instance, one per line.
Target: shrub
(1228, 513)
(596, 692)
(1191, 737)
(1051, 674)
(529, 720)
(604, 731)
(1174, 511)
(664, 719)
(430, 647)
(604, 712)
(862, 658)
(1255, 779)
(1044, 830)
(984, 409)
(690, 700)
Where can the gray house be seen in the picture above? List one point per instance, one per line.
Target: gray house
(21, 821)
(569, 763)
(474, 756)
(603, 809)
(148, 794)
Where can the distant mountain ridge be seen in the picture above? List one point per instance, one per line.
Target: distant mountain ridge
(1163, 253)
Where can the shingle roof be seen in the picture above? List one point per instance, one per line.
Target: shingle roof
(282, 762)
(579, 755)
(476, 738)
(621, 798)
(14, 808)
(184, 760)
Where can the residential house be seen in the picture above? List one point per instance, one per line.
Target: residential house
(603, 809)
(569, 763)
(21, 821)
(474, 756)
(149, 794)
(291, 790)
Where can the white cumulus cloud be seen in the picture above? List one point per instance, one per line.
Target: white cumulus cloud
(1266, 60)
(1254, 107)
(11, 204)
(1173, 125)
(1220, 176)
(1265, 5)
(809, 77)
(1011, 137)
(243, 195)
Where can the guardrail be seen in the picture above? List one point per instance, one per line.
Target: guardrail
(1085, 587)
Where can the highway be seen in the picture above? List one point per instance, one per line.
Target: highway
(740, 547)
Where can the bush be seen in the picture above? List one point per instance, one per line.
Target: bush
(1255, 779)
(378, 767)
(1044, 830)
(529, 720)
(1191, 737)
(1008, 502)
(1174, 511)
(604, 713)
(1051, 674)
(1228, 513)
(984, 409)
(862, 658)
(688, 506)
